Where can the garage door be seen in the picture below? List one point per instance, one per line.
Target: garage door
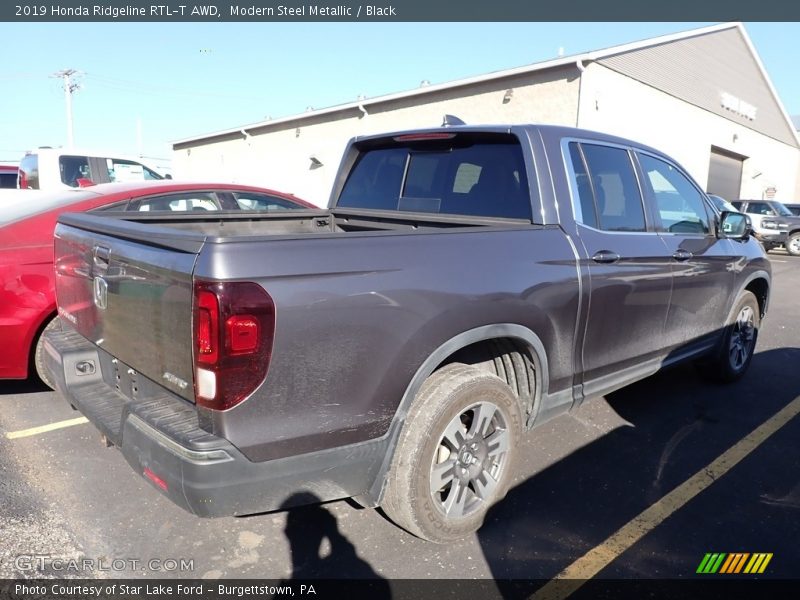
(725, 174)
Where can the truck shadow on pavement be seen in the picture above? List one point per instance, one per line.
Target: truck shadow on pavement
(670, 426)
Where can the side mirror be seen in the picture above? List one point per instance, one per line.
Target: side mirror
(734, 226)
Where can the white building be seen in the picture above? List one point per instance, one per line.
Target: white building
(702, 96)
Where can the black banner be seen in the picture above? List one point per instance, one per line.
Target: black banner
(401, 10)
(708, 588)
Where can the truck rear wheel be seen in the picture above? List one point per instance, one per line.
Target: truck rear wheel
(739, 341)
(455, 454)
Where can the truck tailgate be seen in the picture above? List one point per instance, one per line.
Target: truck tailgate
(131, 298)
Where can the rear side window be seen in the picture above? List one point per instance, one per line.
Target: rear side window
(457, 177)
(585, 209)
(606, 175)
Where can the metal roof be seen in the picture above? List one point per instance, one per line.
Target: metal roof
(594, 55)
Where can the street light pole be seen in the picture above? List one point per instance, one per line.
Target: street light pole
(69, 88)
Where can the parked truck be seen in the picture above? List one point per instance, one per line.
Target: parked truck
(464, 285)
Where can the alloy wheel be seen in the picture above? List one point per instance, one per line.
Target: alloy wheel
(742, 338)
(469, 460)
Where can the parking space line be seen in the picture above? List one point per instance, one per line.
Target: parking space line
(595, 560)
(13, 435)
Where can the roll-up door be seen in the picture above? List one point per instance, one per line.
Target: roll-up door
(725, 174)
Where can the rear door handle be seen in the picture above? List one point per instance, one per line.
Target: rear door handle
(682, 255)
(605, 257)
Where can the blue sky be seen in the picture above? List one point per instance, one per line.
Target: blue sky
(182, 79)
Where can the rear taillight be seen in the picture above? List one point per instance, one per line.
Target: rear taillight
(234, 326)
(22, 180)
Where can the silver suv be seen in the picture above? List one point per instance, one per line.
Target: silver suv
(774, 224)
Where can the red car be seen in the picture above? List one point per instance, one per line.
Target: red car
(27, 292)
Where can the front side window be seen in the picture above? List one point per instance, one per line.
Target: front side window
(782, 210)
(680, 205)
(612, 182)
(760, 208)
(73, 169)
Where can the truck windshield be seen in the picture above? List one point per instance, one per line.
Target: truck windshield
(782, 210)
(485, 179)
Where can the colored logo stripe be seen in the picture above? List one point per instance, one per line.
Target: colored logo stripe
(711, 562)
(758, 563)
(735, 562)
(721, 562)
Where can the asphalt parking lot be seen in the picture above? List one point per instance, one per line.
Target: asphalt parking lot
(588, 496)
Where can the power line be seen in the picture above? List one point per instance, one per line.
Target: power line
(149, 88)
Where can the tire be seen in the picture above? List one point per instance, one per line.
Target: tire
(738, 343)
(470, 421)
(793, 244)
(38, 353)
(768, 247)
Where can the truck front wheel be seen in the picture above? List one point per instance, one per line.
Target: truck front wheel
(793, 244)
(455, 454)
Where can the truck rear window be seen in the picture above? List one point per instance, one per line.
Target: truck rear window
(484, 179)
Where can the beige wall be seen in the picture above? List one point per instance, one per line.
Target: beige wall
(616, 104)
(281, 158)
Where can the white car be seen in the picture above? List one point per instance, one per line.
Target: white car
(65, 168)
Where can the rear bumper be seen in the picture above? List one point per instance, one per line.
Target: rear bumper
(159, 435)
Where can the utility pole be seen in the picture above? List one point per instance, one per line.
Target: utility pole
(69, 88)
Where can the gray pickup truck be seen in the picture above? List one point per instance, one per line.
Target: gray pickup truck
(464, 285)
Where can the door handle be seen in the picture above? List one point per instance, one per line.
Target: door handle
(605, 257)
(682, 255)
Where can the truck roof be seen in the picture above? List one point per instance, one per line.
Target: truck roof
(546, 131)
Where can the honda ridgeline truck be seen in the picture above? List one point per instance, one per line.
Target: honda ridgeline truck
(464, 285)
